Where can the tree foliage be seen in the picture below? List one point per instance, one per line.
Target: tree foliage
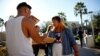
(81, 9)
(63, 17)
(44, 27)
(1, 22)
(96, 20)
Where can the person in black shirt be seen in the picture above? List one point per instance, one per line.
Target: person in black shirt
(80, 34)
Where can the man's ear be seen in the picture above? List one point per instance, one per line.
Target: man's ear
(25, 10)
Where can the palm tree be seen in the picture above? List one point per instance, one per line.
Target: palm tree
(74, 28)
(81, 9)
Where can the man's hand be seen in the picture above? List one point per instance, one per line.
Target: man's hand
(49, 40)
(45, 35)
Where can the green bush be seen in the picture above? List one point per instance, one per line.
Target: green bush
(76, 37)
(97, 40)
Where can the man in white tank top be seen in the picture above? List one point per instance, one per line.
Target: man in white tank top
(20, 29)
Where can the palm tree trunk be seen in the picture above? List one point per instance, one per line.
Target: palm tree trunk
(81, 18)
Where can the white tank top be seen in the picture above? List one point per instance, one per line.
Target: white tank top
(17, 43)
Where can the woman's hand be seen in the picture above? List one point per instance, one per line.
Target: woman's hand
(58, 41)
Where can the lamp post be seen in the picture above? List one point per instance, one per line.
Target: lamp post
(86, 21)
(91, 12)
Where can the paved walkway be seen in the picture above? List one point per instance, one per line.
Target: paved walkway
(85, 51)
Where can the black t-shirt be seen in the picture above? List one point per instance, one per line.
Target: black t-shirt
(80, 33)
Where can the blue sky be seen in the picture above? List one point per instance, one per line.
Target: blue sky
(46, 9)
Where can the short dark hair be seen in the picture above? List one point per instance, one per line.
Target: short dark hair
(23, 4)
(57, 18)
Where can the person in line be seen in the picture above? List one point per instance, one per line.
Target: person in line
(20, 29)
(65, 41)
(80, 34)
(48, 49)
